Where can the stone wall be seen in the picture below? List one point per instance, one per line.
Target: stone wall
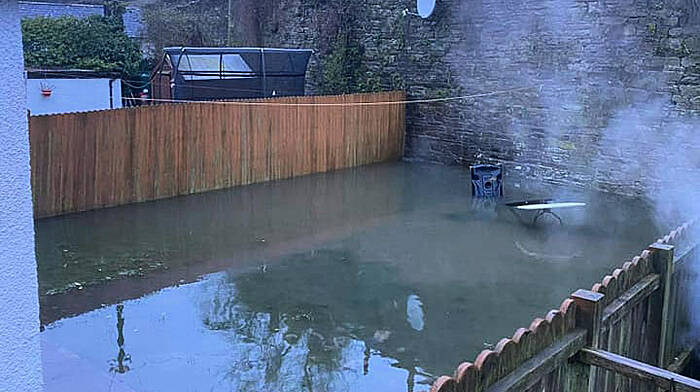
(585, 63)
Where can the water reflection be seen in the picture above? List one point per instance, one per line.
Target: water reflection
(204, 336)
(322, 311)
(414, 312)
(121, 364)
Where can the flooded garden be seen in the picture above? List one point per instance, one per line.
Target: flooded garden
(361, 279)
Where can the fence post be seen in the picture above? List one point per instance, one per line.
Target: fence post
(662, 262)
(589, 316)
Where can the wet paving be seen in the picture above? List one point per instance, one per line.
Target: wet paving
(380, 277)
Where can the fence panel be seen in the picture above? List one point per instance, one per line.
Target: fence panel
(630, 324)
(684, 277)
(684, 289)
(534, 359)
(641, 316)
(83, 161)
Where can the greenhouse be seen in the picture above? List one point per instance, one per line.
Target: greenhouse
(229, 73)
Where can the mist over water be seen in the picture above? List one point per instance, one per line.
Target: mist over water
(601, 114)
(668, 147)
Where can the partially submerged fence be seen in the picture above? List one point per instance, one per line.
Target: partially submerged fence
(619, 336)
(82, 161)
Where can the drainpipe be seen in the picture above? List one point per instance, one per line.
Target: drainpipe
(264, 76)
(111, 95)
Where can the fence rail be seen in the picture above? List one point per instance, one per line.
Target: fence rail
(83, 161)
(618, 336)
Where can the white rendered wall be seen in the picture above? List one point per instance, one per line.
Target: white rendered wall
(20, 360)
(72, 95)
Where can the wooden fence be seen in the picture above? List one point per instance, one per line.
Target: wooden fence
(685, 276)
(618, 336)
(83, 161)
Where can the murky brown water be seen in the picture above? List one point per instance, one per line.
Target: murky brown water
(380, 277)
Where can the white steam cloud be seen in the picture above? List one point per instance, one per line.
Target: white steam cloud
(603, 109)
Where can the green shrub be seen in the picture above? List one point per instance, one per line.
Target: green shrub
(344, 70)
(96, 43)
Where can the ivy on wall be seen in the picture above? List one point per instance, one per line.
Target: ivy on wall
(343, 70)
(95, 43)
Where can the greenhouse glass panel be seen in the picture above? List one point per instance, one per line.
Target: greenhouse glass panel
(235, 67)
(201, 67)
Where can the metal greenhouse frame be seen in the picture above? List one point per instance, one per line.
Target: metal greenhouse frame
(187, 73)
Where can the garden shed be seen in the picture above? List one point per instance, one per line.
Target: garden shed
(187, 73)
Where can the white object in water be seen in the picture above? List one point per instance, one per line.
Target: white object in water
(414, 312)
(549, 206)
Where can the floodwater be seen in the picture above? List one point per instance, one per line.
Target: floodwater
(376, 278)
